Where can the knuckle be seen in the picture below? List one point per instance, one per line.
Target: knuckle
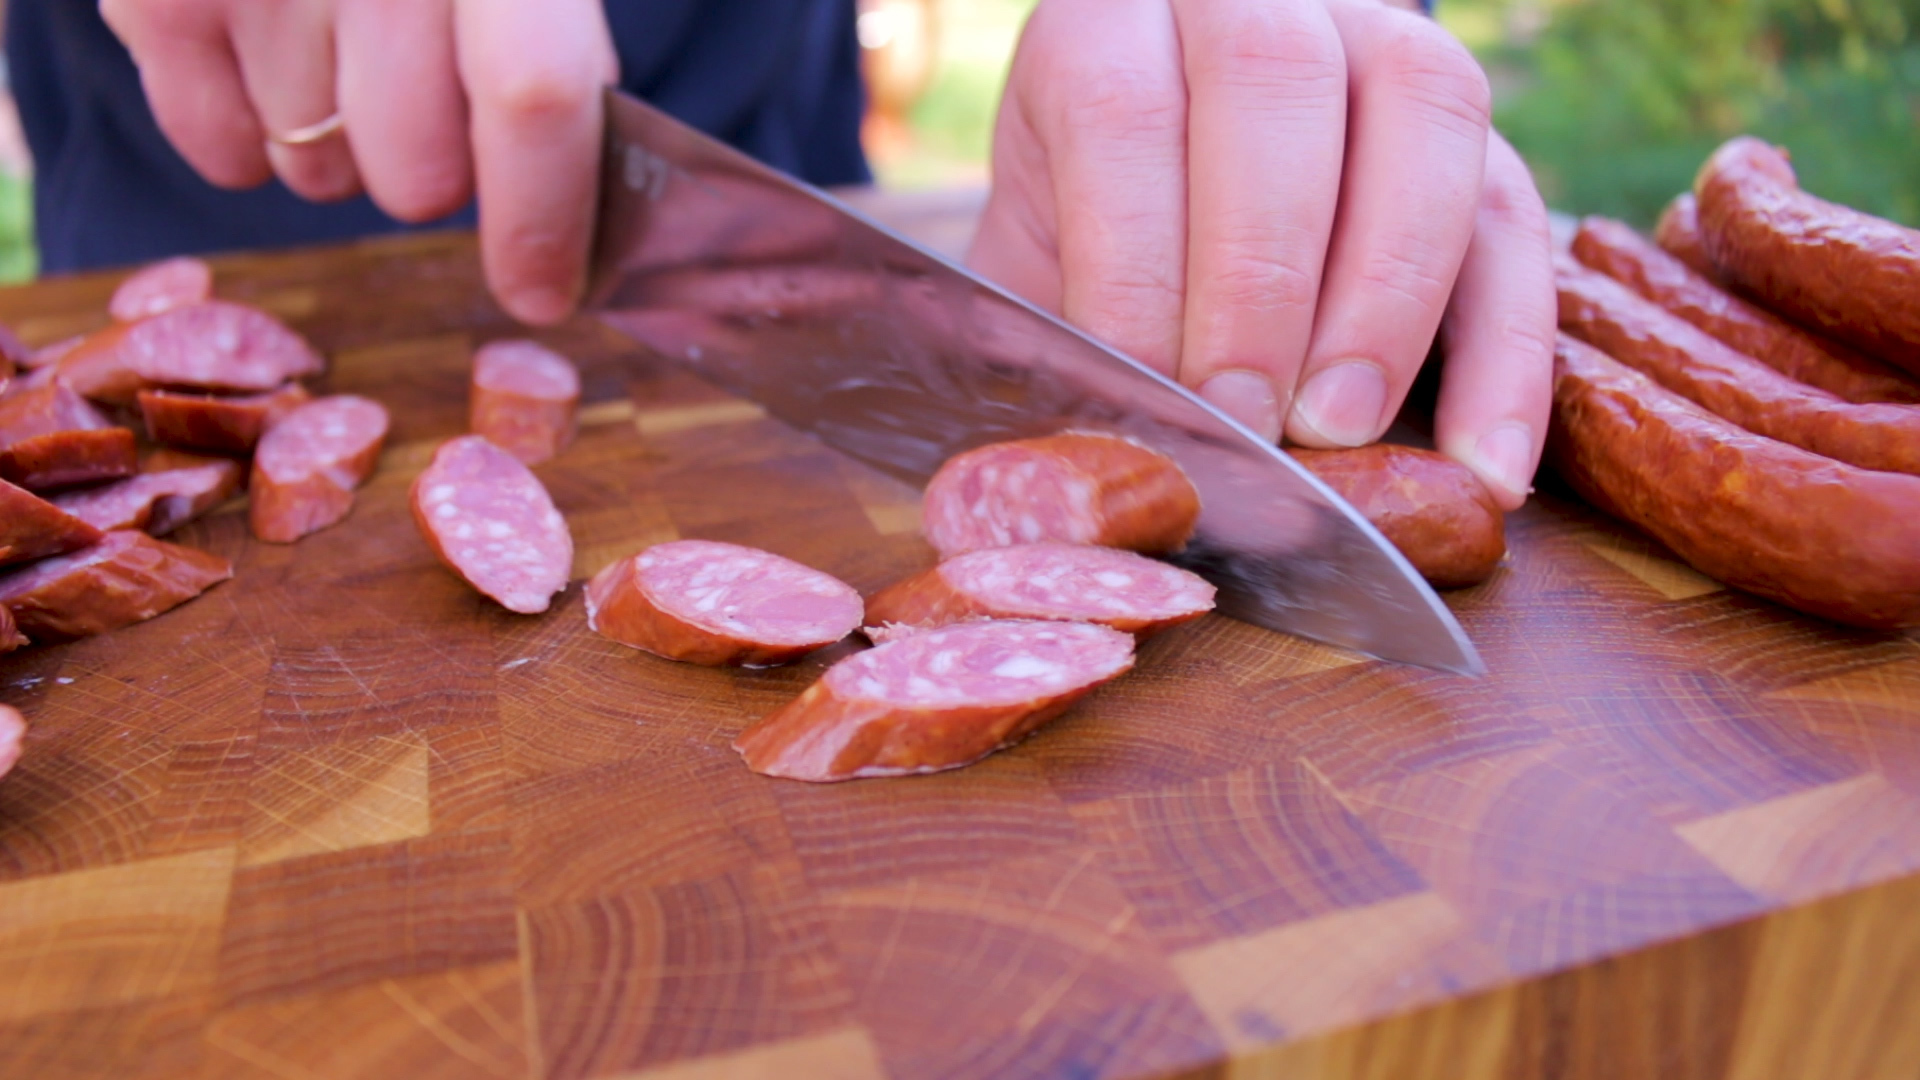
(1430, 67)
(1261, 282)
(1271, 47)
(1120, 100)
(537, 96)
(1410, 268)
(1510, 199)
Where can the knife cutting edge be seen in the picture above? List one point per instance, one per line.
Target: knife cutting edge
(901, 358)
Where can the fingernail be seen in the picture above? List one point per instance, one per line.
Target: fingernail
(1342, 404)
(1504, 456)
(1248, 397)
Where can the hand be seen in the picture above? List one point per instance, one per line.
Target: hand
(1280, 202)
(440, 98)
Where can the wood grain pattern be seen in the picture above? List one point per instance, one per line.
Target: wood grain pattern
(343, 817)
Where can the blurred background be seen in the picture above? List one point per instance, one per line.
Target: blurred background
(1613, 102)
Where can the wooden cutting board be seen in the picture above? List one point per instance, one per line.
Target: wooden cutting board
(342, 817)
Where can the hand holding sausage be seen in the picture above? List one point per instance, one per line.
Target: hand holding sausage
(501, 97)
(1279, 202)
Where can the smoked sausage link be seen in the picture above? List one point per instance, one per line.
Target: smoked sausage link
(224, 424)
(33, 528)
(1073, 582)
(1850, 275)
(126, 578)
(309, 463)
(490, 520)
(162, 286)
(1077, 488)
(1434, 509)
(938, 699)
(1614, 249)
(13, 730)
(1640, 334)
(524, 399)
(1678, 234)
(1814, 534)
(719, 604)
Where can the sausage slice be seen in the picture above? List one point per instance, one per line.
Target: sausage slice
(1072, 582)
(159, 501)
(935, 700)
(707, 602)
(126, 578)
(32, 527)
(162, 286)
(1077, 488)
(222, 423)
(307, 466)
(490, 520)
(524, 399)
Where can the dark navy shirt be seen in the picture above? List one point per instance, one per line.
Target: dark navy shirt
(777, 78)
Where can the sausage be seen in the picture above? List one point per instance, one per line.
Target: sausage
(162, 286)
(1077, 488)
(51, 437)
(1047, 580)
(157, 501)
(47, 356)
(1678, 234)
(215, 345)
(307, 466)
(719, 604)
(1845, 273)
(1614, 249)
(13, 731)
(524, 399)
(490, 520)
(934, 700)
(1814, 534)
(32, 528)
(227, 424)
(10, 636)
(126, 578)
(1434, 509)
(1604, 313)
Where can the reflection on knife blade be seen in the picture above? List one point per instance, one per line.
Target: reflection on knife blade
(902, 359)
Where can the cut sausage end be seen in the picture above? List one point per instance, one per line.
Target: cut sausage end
(125, 578)
(525, 399)
(309, 464)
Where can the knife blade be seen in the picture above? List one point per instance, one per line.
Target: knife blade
(901, 358)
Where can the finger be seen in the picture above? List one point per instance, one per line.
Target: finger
(533, 75)
(414, 161)
(192, 82)
(1417, 115)
(1497, 386)
(1097, 97)
(1266, 126)
(286, 57)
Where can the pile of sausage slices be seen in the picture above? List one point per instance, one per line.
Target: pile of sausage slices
(1746, 388)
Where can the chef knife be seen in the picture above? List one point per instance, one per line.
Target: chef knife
(901, 358)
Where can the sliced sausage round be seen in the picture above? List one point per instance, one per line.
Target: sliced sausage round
(32, 527)
(306, 468)
(159, 501)
(490, 520)
(1071, 582)
(215, 345)
(126, 578)
(1077, 488)
(164, 285)
(228, 424)
(938, 699)
(525, 398)
(707, 602)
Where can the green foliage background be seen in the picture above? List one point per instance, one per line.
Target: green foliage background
(1615, 102)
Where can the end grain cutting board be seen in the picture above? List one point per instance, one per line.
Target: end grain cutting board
(341, 817)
